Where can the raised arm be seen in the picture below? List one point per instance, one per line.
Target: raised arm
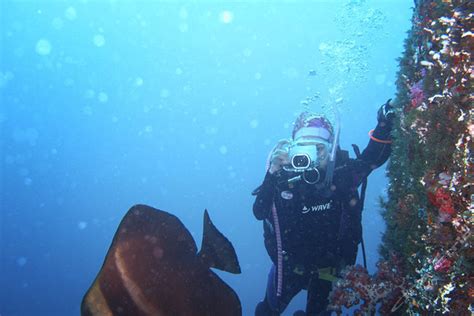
(378, 150)
(264, 193)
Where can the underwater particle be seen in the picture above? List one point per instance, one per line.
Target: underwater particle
(28, 182)
(223, 149)
(23, 172)
(82, 225)
(164, 93)
(258, 76)
(21, 261)
(29, 135)
(226, 16)
(339, 100)
(247, 52)
(70, 13)
(89, 94)
(380, 79)
(87, 110)
(148, 129)
(9, 159)
(178, 71)
(183, 27)
(183, 13)
(254, 123)
(43, 47)
(5, 77)
(138, 81)
(57, 23)
(69, 82)
(211, 130)
(292, 72)
(99, 40)
(102, 97)
(214, 111)
(323, 46)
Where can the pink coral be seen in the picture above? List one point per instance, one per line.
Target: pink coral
(416, 94)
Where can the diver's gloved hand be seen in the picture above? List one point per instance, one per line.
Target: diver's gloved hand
(386, 114)
(279, 156)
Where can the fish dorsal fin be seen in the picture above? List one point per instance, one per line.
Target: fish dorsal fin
(216, 250)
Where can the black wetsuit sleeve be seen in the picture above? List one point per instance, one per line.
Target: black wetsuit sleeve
(264, 197)
(375, 154)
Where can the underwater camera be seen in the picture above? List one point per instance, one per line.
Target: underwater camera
(305, 160)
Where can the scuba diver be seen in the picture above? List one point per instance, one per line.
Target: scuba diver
(311, 209)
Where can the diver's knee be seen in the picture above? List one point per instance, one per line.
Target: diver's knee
(264, 309)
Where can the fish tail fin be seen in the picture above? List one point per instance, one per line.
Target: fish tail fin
(216, 250)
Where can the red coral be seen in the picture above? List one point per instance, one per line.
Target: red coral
(356, 285)
(443, 265)
(442, 200)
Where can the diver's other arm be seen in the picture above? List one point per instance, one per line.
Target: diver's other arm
(264, 196)
(264, 200)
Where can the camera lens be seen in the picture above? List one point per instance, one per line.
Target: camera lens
(311, 176)
(300, 161)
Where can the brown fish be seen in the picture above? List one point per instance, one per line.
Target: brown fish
(153, 268)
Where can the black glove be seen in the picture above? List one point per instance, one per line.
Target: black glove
(386, 114)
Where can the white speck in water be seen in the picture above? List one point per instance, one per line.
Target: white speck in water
(183, 13)
(164, 93)
(57, 23)
(178, 71)
(103, 97)
(138, 81)
(70, 13)
(380, 79)
(223, 149)
(99, 40)
(226, 16)
(21, 261)
(28, 181)
(258, 76)
(183, 27)
(87, 110)
(254, 123)
(43, 47)
(82, 225)
(89, 94)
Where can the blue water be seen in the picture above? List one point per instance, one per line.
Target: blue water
(176, 105)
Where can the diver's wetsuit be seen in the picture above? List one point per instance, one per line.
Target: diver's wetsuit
(319, 228)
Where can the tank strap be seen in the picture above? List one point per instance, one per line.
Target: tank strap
(362, 198)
